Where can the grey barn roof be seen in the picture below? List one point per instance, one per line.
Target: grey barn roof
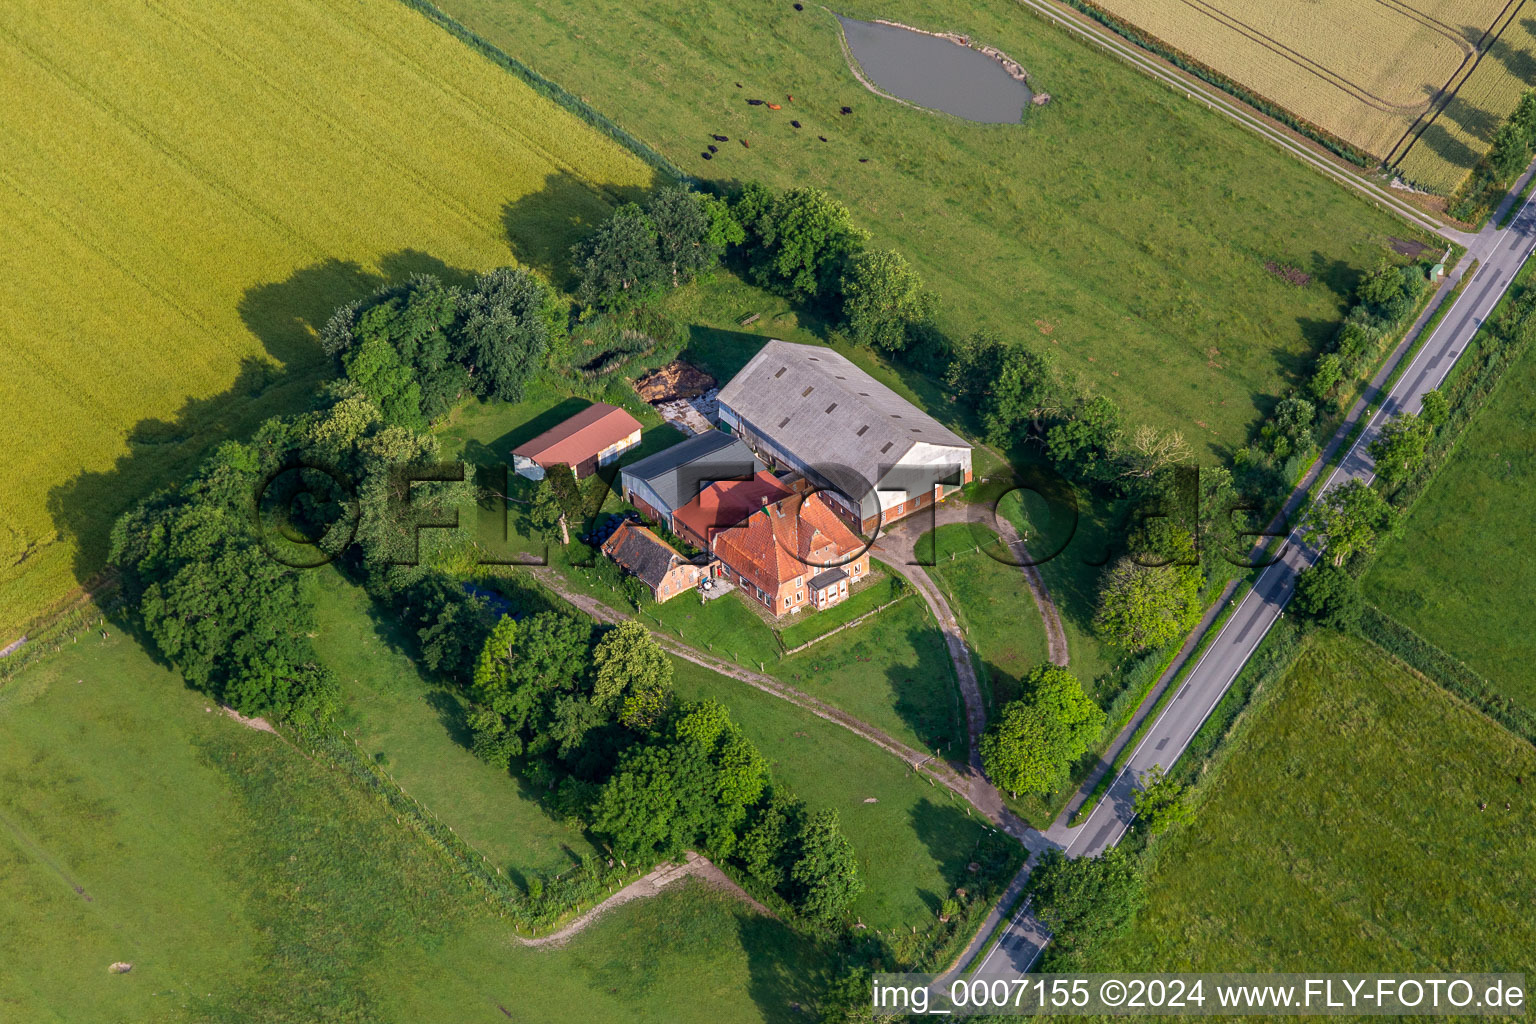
(816, 404)
(713, 455)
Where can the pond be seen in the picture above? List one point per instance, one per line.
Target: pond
(935, 71)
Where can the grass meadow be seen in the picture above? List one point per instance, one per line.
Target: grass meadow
(246, 883)
(1343, 833)
(1460, 572)
(191, 189)
(1121, 227)
(913, 839)
(912, 843)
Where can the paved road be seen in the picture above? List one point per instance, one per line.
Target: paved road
(1500, 255)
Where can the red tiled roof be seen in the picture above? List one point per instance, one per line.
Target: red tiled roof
(580, 437)
(725, 503)
(789, 538)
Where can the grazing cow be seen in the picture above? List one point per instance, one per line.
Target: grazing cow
(745, 144)
(754, 103)
(706, 155)
(738, 85)
(794, 124)
(789, 97)
(823, 138)
(720, 138)
(713, 148)
(863, 159)
(774, 106)
(799, 7)
(846, 110)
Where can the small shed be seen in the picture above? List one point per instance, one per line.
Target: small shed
(594, 437)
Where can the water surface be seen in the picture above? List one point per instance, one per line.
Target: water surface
(935, 72)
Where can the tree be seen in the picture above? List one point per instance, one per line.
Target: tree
(505, 322)
(692, 231)
(1329, 594)
(1400, 448)
(1161, 803)
(1326, 376)
(1087, 442)
(1435, 408)
(1151, 451)
(803, 239)
(1148, 606)
(1024, 389)
(545, 512)
(522, 668)
(1346, 520)
(1032, 745)
(1289, 431)
(1084, 902)
(619, 266)
(416, 319)
(882, 297)
(632, 678)
(658, 802)
(636, 590)
(824, 878)
(377, 370)
(974, 366)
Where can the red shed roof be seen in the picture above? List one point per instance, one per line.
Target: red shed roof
(580, 437)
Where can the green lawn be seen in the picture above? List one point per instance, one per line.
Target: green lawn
(417, 725)
(1343, 833)
(246, 883)
(1461, 571)
(913, 839)
(1122, 227)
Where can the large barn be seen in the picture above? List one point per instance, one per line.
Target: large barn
(810, 409)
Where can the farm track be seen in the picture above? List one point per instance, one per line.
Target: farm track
(967, 782)
(1238, 111)
(651, 884)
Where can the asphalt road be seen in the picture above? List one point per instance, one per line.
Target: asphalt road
(1500, 255)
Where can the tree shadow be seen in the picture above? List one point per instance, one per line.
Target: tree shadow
(1440, 141)
(787, 971)
(719, 352)
(953, 840)
(542, 226)
(286, 316)
(450, 714)
(927, 698)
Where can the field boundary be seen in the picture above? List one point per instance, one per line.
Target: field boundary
(1402, 643)
(1184, 62)
(548, 88)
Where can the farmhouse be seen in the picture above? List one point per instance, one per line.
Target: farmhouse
(793, 554)
(593, 437)
(724, 504)
(810, 409)
(658, 485)
(652, 560)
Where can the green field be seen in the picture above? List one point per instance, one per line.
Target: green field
(1461, 571)
(245, 883)
(1121, 227)
(418, 727)
(913, 843)
(913, 839)
(190, 189)
(1343, 833)
(994, 606)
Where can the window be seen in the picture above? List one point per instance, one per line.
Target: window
(855, 568)
(786, 602)
(799, 582)
(780, 373)
(861, 430)
(808, 390)
(831, 407)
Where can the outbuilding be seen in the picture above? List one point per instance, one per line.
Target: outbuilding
(594, 437)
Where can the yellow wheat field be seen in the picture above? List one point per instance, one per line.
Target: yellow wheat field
(1369, 72)
(188, 187)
